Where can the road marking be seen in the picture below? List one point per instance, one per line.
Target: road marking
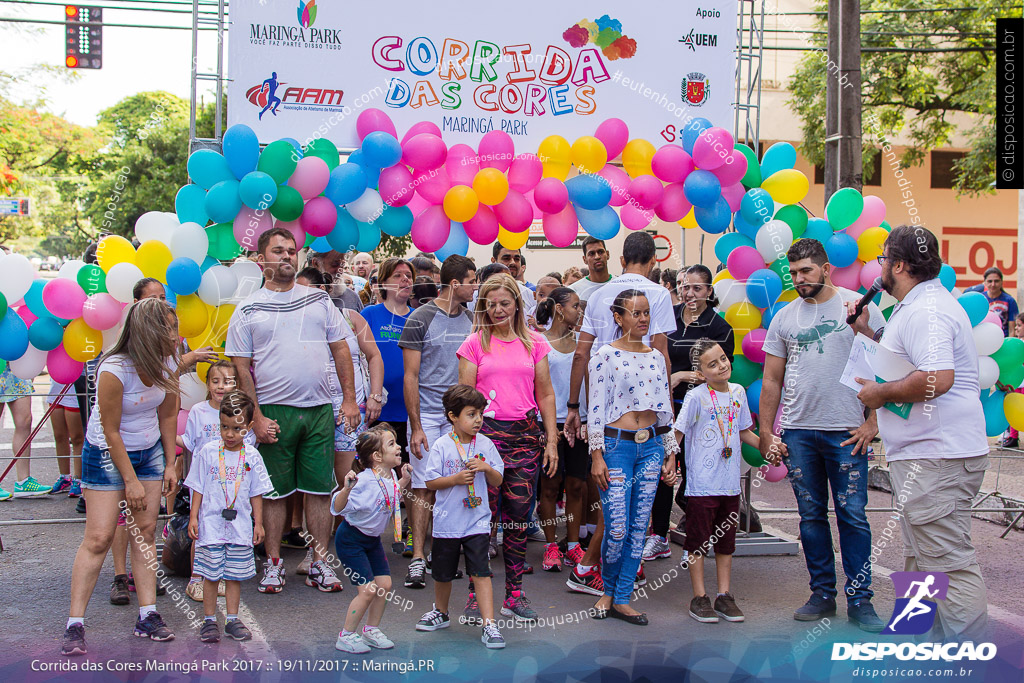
(258, 647)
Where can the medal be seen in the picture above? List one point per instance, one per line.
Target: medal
(472, 500)
(395, 508)
(229, 512)
(730, 418)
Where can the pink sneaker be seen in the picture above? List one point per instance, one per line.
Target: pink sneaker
(552, 558)
(574, 555)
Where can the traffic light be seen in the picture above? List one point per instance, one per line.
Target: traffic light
(83, 37)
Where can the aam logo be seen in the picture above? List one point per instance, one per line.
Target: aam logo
(914, 613)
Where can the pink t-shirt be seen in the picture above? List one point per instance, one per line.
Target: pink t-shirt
(505, 374)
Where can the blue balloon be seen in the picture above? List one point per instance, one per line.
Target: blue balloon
(974, 303)
(841, 250)
(297, 145)
(320, 245)
(241, 149)
(602, 224)
(757, 206)
(817, 229)
(995, 416)
(46, 334)
(395, 221)
(692, 131)
(726, 243)
(457, 243)
(589, 191)
(183, 276)
(13, 336)
(778, 157)
(206, 168)
(754, 394)
(257, 190)
(190, 205)
(347, 183)
(764, 287)
(770, 312)
(222, 201)
(381, 149)
(369, 237)
(344, 237)
(208, 262)
(172, 298)
(947, 276)
(702, 189)
(714, 220)
(372, 172)
(746, 229)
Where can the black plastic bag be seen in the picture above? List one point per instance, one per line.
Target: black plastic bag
(177, 553)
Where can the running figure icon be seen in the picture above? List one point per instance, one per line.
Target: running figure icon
(915, 607)
(273, 101)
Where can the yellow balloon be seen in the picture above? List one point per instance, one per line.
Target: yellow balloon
(81, 342)
(202, 369)
(203, 339)
(589, 154)
(114, 249)
(219, 323)
(1013, 406)
(743, 316)
(491, 186)
(689, 220)
(555, 156)
(512, 240)
(870, 243)
(460, 203)
(636, 158)
(152, 258)
(787, 186)
(193, 316)
(723, 274)
(788, 295)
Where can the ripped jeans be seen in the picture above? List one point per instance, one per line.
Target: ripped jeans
(815, 461)
(633, 473)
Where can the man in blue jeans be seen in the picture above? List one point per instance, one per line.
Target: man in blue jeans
(824, 433)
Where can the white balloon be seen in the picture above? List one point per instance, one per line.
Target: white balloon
(69, 271)
(773, 240)
(368, 207)
(988, 372)
(16, 277)
(218, 285)
(190, 241)
(111, 335)
(956, 292)
(121, 280)
(730, 292)
(988, 337)
(249, 275)
(30, 364)
(192, 390)
(156, 225)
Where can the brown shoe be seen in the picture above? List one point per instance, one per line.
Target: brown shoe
(700, 609)
(119, 590)
(725, 607)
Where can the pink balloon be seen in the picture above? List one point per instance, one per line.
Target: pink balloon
(371, 120)
(421, 127)
(29, 317)
(182, 422)
(62, 367)
(646, 191)
(733, 195)
(734, 168)
(773, 473)
(635, 218)
(848, 277)
(249, 225)
(561, 227)
(537, 213)
(319, 216)
(614, 133)
(462, 164)
(396, 185)
(672, 164)
(870, 217)
(497, 150)
(310, 177)
(712, 148)
(619, 180)
(430, 229)
(424, 151)
(417, 204)
(777, 427)
(297, 231)
(990, 317)
(483, 227)
(744, 260)
(515, 213)
(64, 298)
(551, 196)
(101, 311)
(870, 271)
(433, 185)
(753, 345)
(525, 172)
(674, 204)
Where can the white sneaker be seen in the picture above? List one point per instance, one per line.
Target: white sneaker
(323, 578)
(656, 547)
(351, 642)
(375, 638)
(303, 567)
(273, 576)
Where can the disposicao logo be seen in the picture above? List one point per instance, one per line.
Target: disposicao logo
(307, 13)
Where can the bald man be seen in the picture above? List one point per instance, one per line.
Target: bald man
(362, 265)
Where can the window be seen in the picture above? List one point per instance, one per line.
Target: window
(942, 169)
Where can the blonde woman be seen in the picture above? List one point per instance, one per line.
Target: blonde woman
(128, 455)
(508, 364)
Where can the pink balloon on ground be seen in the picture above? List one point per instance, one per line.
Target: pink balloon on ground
(62, 367)
(424, 151)
(635, 218)
(515, 213)
(753, 345)
(310, 177)
(733, 195)
(496, 150)
(619, 181)
(646, 191)
(483, 227)
(462, 164)
(870, 271)
(421, 127)
(525, 172)
(371, 120)
(249, 225)
(102, 311)
(744, 260)
(295, 228)
(614, 133)
(674, 205)
(433, 185)
(672, 164)
(774, 473)
(561, 228)
(848, 277)
(551, 196)
(396, 185)
(319, 217)
(63, 298)
(430, 229)
(871, 216)
(733, 170)
(712, 148)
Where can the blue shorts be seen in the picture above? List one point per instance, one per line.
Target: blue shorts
(99, 472)
(227, 561)
(346, 441)
(362, 555)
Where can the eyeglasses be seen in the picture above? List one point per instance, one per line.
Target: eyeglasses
(881, 260)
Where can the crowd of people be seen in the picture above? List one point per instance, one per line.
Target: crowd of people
(490, 409)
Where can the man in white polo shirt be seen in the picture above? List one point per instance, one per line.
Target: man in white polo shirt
(937, 457)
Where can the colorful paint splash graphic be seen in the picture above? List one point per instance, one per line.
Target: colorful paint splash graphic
(307, 13)
(605, 33)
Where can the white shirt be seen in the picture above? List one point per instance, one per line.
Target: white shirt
(707, 472)
(140, 425)
(452, 519)
(368, 508)
(598, 319)
(585, 287)
(932, 331)
(204, 478)
(337, 396)
(560, 368)
(203, 426)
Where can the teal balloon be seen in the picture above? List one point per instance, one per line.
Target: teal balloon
(754, 395)
(257, 190)
(13, 336)
(222, 201)
(457, 243)
(34, 299)
(206, 168)
(321, 245)
(947, 276)
(995, 416)
(778, 157)
(395, 221)
(976, 306)
(818, 229)
(726, 243)
(369, 237)
(190, 205)
(345, 235)
(757, 206)
(208, 262)
(46, 334)
(241, 149)
(602, 224)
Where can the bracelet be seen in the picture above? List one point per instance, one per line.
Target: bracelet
(574, 406)
(379, 398)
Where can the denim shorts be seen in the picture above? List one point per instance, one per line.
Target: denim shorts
(346, 441)
(99, 472)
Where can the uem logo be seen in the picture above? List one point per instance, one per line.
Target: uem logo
(307, 13)
(914, 612)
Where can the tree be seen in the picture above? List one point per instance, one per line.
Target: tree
(926, 72)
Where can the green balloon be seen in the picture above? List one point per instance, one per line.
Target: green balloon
(753, 456)
(752, 178)
(1009, 356)
(744, 370)
(309, 240)
(888, 312)
(844, 208)
(3, 305)
(3, 365)
(278, 161)
(1012, 376)
(92, 279)
(288, 205)
(795, 217)
(325, 149)
(885, 224)
(780, 267)
(223, 245)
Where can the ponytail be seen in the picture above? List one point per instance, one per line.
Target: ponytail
(546, 307)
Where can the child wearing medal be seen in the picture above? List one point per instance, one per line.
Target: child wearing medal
(368, 499)
(460, 467)
(227, 479)
(715, 421)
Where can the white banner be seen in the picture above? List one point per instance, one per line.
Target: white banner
(306, 68)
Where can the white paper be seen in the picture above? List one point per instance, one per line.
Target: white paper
(871, 360)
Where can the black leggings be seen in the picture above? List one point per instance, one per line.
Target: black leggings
(661, 511)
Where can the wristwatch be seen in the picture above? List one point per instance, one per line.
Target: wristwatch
(379, 398)
(574, 406)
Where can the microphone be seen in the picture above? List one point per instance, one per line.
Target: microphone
(875, 288)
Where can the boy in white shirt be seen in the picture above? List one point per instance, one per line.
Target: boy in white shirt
(227, 479)
(460, 467)
(715, 420)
